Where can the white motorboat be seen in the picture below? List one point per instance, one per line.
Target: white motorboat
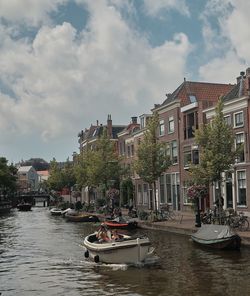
(125, 250)
(56, 211)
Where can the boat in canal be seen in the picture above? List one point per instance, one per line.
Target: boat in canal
(217, 237)
(121, 223)
(24, 206)
(123, 250)
(75, 216)
(56, 211)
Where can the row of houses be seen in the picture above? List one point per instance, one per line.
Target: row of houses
(191, 105)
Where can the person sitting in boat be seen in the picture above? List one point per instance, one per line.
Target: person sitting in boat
(115, 235)
(102, 234)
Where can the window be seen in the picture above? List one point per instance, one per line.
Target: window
(228, 119)
(192, 99)
(190, 124)
(142, 119)
(191, 155)
(170, 124)
(174, 152)
(161, 128)
(162, 191)
(139, 194)
(129, 151)
(239, 141)
(145, 194)
(238, 119)
(187, 156)
(241, 186)
(132, 150)
(184, 191)
(172, 189)
(195, 156)
(168, 187)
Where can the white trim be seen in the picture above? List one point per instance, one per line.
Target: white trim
(189, 107)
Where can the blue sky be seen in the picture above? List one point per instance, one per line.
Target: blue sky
(66, 63)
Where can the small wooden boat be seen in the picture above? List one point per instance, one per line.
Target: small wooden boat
(24, 206)
(217, 237)
(121, 223)
(125, 250)
(81, 217)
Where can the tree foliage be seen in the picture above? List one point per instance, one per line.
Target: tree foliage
(97, 167)
(216, 146)
(8, 177)
(61, 176)
(152, 161)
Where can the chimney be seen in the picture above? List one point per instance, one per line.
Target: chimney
(109, 126)
(97, 123)
(134, 119)
(241, 90)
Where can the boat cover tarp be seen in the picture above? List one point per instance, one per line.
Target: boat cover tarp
(213, 232)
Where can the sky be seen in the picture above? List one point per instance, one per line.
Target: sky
(64, 64)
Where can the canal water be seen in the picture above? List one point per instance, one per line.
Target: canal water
(43, 255)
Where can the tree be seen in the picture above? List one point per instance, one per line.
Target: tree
(100, 166)
(8, 177)
(152, 161)
(217, 152)
(55, 180)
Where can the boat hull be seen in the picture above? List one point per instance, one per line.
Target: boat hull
(56, 212)
(82, 218)
(217, 237)
(118, 225)
(127, 251)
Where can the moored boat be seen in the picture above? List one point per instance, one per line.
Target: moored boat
(56, 211)
(121, 223)
(125, 250)
(24, 206)
(217, 237)
(81, 217)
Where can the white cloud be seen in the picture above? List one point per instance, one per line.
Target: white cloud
(156, 7)
(63, 81)
(227, 36)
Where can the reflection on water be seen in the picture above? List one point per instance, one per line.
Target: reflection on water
(43, 255)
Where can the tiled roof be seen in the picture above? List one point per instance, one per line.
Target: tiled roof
(202, 91)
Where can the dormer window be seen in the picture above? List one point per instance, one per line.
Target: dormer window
(192, 99)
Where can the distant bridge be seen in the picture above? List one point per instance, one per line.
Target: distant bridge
(37, 199)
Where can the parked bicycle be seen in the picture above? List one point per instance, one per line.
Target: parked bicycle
(239, 221)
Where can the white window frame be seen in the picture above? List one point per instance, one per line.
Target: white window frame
(171, 124)
(245, 186)
(240, 124)
(161, 128)
(228, 119)
(242, 142)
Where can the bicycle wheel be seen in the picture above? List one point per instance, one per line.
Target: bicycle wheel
(244, 225)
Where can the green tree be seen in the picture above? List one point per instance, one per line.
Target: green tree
(152, 161)
(8, 177)
(100, 166)
(55, 180)
(217, 150)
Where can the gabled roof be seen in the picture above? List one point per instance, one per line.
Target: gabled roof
(201, 90)
(24, 169)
